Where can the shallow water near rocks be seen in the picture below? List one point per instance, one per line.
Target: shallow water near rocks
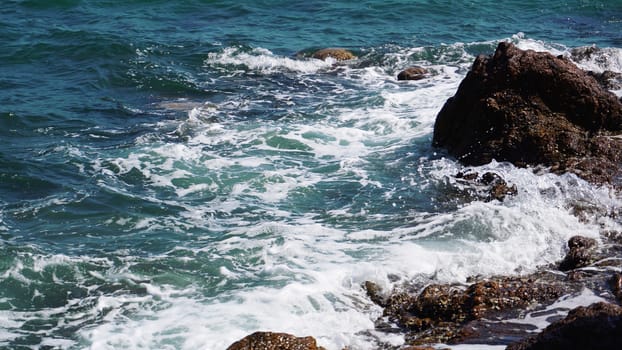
(174, 176)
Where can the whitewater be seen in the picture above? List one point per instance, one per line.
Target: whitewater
(192, 195)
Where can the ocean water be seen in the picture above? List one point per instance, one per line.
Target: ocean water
(179, 174)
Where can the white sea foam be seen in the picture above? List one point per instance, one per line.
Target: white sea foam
(604, 59)
(322, 269)
(301, 273)
(600, 60)
(524, 43)
(318, 272)
(609, 58)
(541, 318)
(264, 61)
(3, 226)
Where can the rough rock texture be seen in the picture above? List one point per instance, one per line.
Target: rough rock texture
(274, 341)
(583, 53)
(374, 292)
(608, 79)
(439, 312)
(490, 186)
(598, 326)
(337, 53)
(483, 312)
(616, 285)
(412, 73)
(532, 108)
(580, 253)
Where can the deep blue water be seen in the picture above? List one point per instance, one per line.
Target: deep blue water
(168, 158)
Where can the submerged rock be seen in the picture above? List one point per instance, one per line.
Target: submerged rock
(337, 53)
(490, 186)
(532, 108)
(274, 341)
(598, 326)
(412, 73)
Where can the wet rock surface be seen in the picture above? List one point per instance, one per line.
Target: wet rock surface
(412, 73)
(482, 311)
(581, 253)
(532, 108)
(616, 285)
(336, 53)
(583, 53)
(598, 326)
(443, 313)
(608, 79)
(490, 186)
(274, 341)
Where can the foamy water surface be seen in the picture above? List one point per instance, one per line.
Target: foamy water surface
(372, 204)
(252, 189)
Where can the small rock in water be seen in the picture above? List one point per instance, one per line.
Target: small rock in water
(467, 176)
(274, 341)
(337, 53)
(412, 73)
(496, 188)
(374, 292)
(577, 242)
(580, 253)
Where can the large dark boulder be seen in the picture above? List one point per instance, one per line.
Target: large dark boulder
(532, 108)
(598, 326)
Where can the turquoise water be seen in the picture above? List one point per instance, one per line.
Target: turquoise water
(176, 175)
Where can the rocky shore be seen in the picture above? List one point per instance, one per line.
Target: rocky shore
(534, 110)
(482, 312)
